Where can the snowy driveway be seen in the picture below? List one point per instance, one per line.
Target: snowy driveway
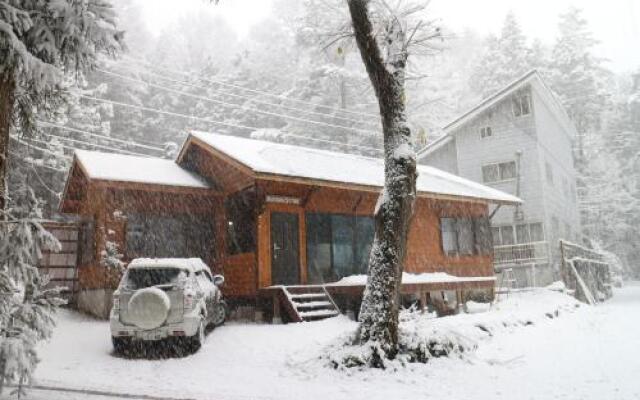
(591, 353)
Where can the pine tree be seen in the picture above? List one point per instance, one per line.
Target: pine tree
(26, 306)
(506, 59)
(578, 76)
(40, 42)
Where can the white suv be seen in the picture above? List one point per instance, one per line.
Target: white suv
(163, 299)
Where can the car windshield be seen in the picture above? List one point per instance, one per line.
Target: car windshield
(139, 278)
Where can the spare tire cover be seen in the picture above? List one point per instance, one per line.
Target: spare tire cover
(148, 308)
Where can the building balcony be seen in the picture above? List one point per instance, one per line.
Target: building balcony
(524, 253)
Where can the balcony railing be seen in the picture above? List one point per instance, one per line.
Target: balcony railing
(525, 253)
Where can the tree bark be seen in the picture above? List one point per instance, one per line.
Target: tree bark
(381, 301)
(7, 98)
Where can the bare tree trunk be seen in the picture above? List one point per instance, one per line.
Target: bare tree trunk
(7, 93)
(381, 301)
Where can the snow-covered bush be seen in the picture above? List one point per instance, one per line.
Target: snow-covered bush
(26, 306)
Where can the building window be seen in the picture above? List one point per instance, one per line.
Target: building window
(485, 132)
(337, 245)
(549, 172)
(241, 223)
(521, 104)
(465, 236)
(160, 236)
(536, 232)
(499, 172)
(506, 235)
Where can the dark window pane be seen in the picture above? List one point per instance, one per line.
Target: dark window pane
(449, 236)
(508, 170)
(495, 235)
(465, 236)
(506, 233)
(483, 236)
(365, 231)
(342, 229)
(319, 248)
(240, 211)
(490, 173)
(522, 233)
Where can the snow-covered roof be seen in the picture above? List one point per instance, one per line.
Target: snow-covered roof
(533, 78)
(267, 159)
(126, 168)
(189, 264)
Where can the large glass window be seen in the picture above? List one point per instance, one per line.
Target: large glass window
(466, 236)
(337, 245)
(158, 236)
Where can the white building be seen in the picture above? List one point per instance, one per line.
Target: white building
(519, 141)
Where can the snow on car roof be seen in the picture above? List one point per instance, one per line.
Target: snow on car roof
(295, 161)
(126, 168)
(189, 264)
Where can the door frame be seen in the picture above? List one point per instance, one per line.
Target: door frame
(264, 234)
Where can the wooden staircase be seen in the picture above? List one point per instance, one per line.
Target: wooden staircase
(308, 303)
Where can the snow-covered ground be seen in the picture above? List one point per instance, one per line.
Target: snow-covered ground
(549, 349)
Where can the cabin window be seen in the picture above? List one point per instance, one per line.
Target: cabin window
(337, 245)
(499, 172)
(485, 132)
(160, 236)
(86, 241)
(465, 236)
(521, 104)
(241, 223)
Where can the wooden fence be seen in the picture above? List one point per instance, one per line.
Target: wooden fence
(62, 267)
(585, 272)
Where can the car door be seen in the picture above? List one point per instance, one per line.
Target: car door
(206, 285)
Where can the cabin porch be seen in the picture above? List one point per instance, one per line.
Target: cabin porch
(445, 296)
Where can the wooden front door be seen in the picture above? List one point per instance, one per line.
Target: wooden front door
(285, 258)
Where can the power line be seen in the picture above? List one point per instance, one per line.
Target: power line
(47, 151)
(262, 92)
(241, 106)
(215, 122)
(129, 143)
(246, 97)
(98, 146)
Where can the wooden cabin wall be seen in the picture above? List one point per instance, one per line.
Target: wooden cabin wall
(108, 206)
(424, 253)
(424, 246)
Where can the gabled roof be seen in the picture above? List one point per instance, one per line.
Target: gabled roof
(270, 160)
(126, 168)
(532, 78)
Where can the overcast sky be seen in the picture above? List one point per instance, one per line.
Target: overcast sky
(616, 23)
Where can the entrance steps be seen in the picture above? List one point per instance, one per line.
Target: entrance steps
(309, 303)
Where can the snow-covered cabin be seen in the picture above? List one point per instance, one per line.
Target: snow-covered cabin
(519, 141)
(283, 223)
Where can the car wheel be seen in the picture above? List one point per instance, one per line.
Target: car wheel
(197, 340)
(121, 346)
(220, 312)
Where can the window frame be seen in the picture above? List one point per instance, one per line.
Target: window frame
(500, 166)
(521, 102)
(485, 132)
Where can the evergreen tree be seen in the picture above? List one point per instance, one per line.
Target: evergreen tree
(578, 76)
(40, 42)
(506, 59)
(26, 306)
